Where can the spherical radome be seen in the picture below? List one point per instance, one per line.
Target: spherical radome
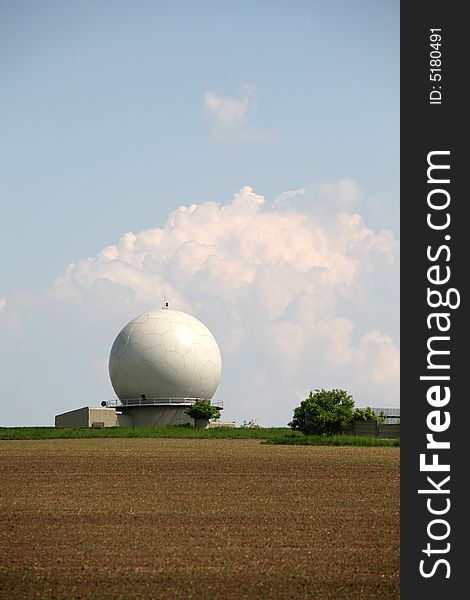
(165, 354)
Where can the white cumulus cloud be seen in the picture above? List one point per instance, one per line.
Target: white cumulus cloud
(294, 299)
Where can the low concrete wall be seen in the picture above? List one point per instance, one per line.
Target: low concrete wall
(373, 429)
(365, 428)
(389, 430)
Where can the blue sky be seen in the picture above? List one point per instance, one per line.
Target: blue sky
(114, 114)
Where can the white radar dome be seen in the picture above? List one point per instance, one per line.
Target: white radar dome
(165, 354)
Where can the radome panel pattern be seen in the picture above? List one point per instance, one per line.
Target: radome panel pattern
(165, 354)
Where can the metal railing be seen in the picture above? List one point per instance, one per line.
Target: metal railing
(116, 403)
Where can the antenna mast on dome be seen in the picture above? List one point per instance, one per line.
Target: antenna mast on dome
(165, 303)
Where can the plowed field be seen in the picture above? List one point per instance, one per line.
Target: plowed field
(203, 519)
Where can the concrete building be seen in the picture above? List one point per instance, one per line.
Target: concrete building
(90, 417)
(159, 415)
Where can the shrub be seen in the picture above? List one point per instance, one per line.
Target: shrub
(324, 412)
(367, 414)
(203, 409)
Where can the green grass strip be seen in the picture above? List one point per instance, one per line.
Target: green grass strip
(48, 433)
(269, 435)
(333, 440)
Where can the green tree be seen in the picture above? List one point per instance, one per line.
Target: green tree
(367, 414)
(203, 409)
(323, 412)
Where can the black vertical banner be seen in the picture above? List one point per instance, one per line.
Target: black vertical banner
(435, 352)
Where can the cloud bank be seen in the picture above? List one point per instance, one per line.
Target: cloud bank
(297, 299)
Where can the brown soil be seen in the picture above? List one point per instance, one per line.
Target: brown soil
(202, 519)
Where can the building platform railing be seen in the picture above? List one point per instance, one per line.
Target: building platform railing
(143, 401)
